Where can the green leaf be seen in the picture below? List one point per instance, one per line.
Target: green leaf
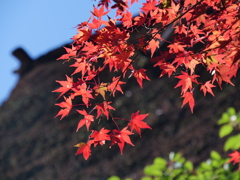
(232, 142)
(216, 164)
(238, 118)
(235, 175)
(205, 166)
(114, 178)
(152, 170)
(215, 155)
(160, 162)
(231, 111)
(224, 119)
(225, 130)
(128, 179)
(188, 165)
(177, 157)
(146, 178)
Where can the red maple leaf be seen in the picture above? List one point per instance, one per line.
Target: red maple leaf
(186, 81)
(81, 66)
(83, 149)
(122, 61)
(140, 75)
(127, 19)
(187, 2)
(120, 137)
(188, 98)
(82, 90)
(83, 35)
(70, 53)
(235, 157)
(66, 86)
(89, 48)
(166, 67)
(103, 109)
(180, 29)
(136, 122)
(225, 73)
(176, 47)
(207, 87)
(96, 23)
(67, 105)
(115, 85)
(149, 6)
(99, 13)
(99, 137)
(87, 120)
(153, 45)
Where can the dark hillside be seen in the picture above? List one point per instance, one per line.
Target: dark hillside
(36, 146)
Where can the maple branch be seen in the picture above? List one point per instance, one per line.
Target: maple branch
(122, 119)
(114, 121)
(154, 35)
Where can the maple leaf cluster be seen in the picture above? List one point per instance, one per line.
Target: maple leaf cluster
(206, 34)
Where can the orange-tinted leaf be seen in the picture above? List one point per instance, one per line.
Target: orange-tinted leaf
(176, 47)
(207, 87)
(83, 149)
(225, 73)
(153, 45)
(83, 35)
(101, 89)
(188, 98)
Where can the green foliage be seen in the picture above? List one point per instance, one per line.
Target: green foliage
(225, 130)
(114, 178)
(232, 143)
(215, 168)
(230, 120)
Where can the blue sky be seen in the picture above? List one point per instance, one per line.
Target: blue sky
(37, 27)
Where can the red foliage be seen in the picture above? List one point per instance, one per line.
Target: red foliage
(235, 157)
(205, 34)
